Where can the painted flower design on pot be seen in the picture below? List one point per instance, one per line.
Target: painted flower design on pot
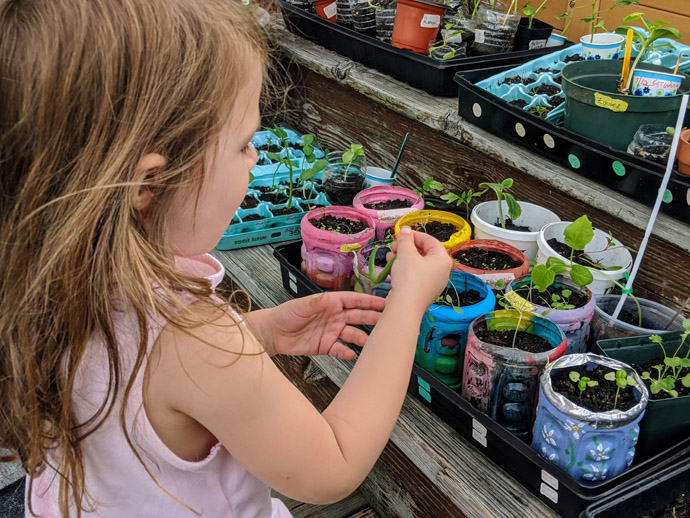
(599, 452)
(548, 434)
(574, 428)
(594, 472)
(549, 454)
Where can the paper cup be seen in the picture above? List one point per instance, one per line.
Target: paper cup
(602, 46)
(649, 83)
(378, 176)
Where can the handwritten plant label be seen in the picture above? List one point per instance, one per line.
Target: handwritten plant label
(519, 302)
(537, 44)
(651, 84)
(604, 101)
(431, 21)
(479, 36)
(330, 10)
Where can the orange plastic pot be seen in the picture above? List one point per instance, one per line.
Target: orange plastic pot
(491, 277)
(326, 9)
(417, 23)
(683, 153)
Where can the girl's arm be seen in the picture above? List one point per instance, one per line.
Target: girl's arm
(266, 423)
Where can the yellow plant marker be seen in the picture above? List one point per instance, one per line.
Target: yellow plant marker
(626, 57)
(519, 303)
(350, 247)
(604, 101)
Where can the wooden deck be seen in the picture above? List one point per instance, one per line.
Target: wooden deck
(354, 506)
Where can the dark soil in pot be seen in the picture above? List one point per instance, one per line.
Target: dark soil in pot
(557, 79)
(512, 226)
(517, 80)
(451, 296)
(389, 204)
(264, 161)
(524, 341)
(481, 259)
(556, 100)
(285, 211)
(546, 299)
(449, 51)
(441, 231)
(658, 154)
(545, 90)
(654, 373)
(275, 197)
(342, 191)
(340, 225)
(519, 103)
(579, 256)
(249, 202)
(600, 398)
(679, 508)
(574, 57)
(252, 217)
(273, 148)
(546, 71)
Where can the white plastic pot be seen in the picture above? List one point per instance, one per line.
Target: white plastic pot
(615, 256)
(485, 214)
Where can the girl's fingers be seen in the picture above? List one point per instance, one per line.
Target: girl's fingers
(354, 336)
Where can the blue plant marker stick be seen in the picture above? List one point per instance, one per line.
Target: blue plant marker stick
(397, 160)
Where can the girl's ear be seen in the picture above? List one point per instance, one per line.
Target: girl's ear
(142, 194)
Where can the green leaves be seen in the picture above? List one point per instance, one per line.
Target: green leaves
(514, 209)
(579, 233)
(543, 277)
(581, 275)
(621, 378)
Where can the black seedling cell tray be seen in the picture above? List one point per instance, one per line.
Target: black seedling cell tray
(418, 70)
(553, 486)
(633, 176)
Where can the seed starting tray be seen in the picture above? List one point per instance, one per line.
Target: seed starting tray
(245, 231)
(553, 486)
(418, 70)
(484, 100)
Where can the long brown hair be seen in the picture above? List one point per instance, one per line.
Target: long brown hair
(88, 87)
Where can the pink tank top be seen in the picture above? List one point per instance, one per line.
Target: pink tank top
(119, 487)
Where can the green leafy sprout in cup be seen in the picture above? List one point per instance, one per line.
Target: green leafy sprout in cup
(464, 198)
(449, 33)
(501, 190)
(668, 372)
(582, 382)
(351, 157)
(530, 12)
(622, 381)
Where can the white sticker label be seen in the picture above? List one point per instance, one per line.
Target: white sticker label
(479, 427)
(393, 215)
(479, 36)
(549, 492)
(492, 278)
(549, 479)
(481, 439)
(293, 287)
(431, 21)
(537, 44)
(330, 10)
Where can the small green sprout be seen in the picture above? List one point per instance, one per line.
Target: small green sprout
(622, 381)
(582, 381)
(668, 372)
(501, 190)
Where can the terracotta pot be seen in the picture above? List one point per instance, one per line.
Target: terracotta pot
(491, 277)
(384, 220)
(325, 258)
(683, 153)
(326, 9)
(417, 23)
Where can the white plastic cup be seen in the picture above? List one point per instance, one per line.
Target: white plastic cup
(378, 176)
(602, 46)
(555, 40)
(650, 83)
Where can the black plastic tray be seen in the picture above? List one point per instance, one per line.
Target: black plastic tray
(553, 486)
(648, 495)
(418, 70)
(596, 161)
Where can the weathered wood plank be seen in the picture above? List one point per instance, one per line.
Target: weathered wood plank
(346, 508)
(432, 456)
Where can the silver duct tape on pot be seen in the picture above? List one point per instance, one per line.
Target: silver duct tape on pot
(598, 420)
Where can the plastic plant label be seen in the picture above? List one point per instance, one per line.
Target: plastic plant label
(431, 21)
(330, 10)
(479, 432)
(479, 36)
(537, 44)
(350, 247)
(604, 101)
(549, 492)
(518, 302)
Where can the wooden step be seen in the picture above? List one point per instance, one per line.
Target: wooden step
(354, 506)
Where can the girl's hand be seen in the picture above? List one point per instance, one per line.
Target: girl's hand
(421, 269)
(314, 325)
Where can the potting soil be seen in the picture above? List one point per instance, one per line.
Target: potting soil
(600, 398)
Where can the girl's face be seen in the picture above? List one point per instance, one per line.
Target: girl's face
(199, 218)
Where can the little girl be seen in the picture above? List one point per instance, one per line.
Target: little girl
(128, 388)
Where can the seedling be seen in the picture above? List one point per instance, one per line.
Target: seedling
(540, 111)
(583, 382)
(351, 157)
(464, 198)
(449, 33)
(595, 18)
(622, 381)
(373, 277)
(530, 12)
(447, 300)
(668, 373)
(501, 190)
(655, 31)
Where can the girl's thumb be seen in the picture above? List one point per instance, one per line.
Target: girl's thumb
(405, 239)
